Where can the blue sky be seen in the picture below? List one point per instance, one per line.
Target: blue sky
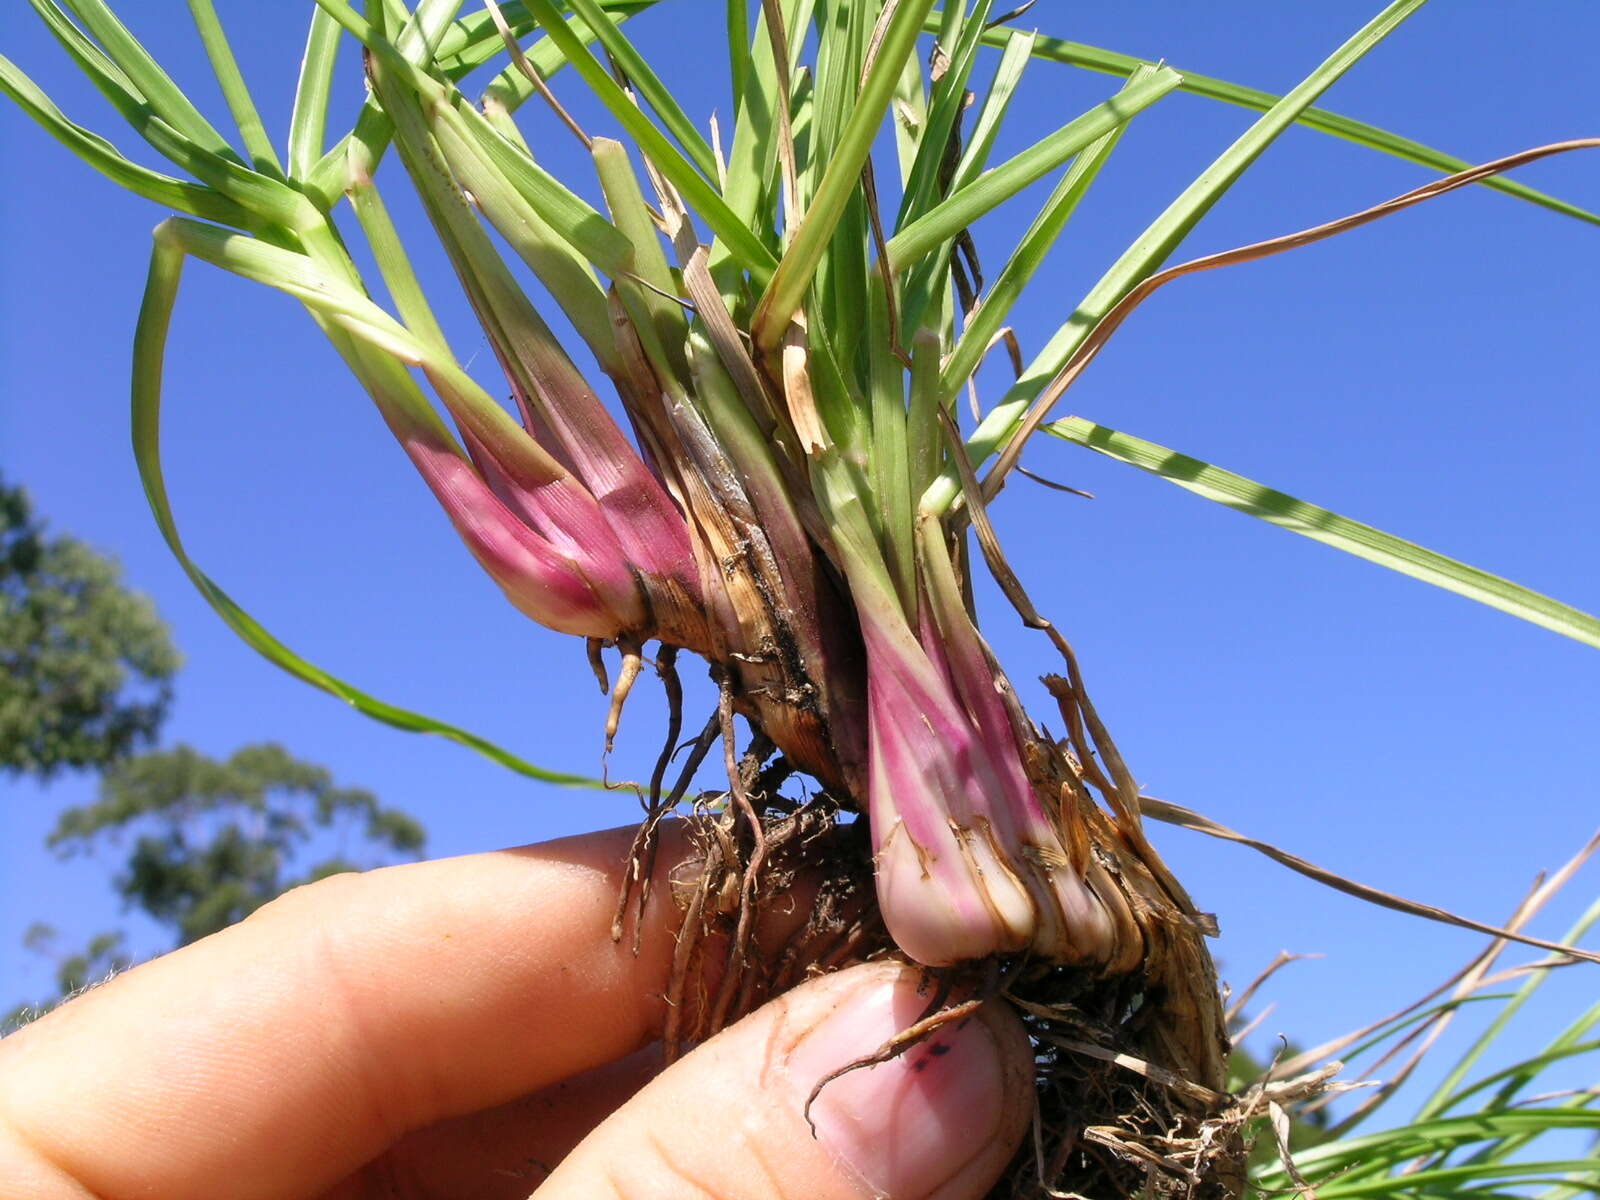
(1433, 375)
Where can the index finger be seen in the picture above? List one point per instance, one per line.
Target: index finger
(274, 1058)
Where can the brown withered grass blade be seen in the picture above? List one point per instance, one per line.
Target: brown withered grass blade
(1085, 354)
(1176, 814)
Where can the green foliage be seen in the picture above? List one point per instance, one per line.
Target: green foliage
(1309, 520)
(802, 130)
(1499, 1132)
(87, 663)
(216, 839)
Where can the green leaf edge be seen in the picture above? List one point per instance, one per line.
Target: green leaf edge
(155, 313)
(1320, 525)
(1373, 137)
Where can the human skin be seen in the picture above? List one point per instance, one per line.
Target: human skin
(467, 1029)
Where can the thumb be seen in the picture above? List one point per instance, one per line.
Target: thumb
(728, 1121)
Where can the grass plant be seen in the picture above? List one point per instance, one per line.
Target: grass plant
(790, 308)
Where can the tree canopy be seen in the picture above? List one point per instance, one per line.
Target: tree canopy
(212, 840)
(87, 663)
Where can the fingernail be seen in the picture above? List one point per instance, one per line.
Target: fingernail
(907, 1126)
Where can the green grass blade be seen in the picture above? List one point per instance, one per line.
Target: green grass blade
(568, 214)
(267, 197)
(165, 98)
(994, 188)
(179, 194)
(1094, 58)
(946, 106)
(234, 89)
(753, 157)
(1398, 1145)
(1512, 1078)
(1160, 239)
(649, 86)
(840, 285)
(1422, 1183)
(582, 226)
(996, 102)
(394, 265)
(308, 122)
(654, 303)
(422, 29)
(1449, 1092)
(555, 232)
(841, 181)
(1353, 537)
(473, 40)
(910, 108)
(372, 128)
(510, 89)
(155, 318)
(1026, 259)
(697, 192)
(837, 62)
(738, 17)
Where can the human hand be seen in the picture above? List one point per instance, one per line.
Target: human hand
(466, 1029)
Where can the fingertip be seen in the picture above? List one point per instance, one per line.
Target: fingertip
(940, 1119)
(937, 1122)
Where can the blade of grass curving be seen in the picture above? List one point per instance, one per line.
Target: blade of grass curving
(992, 189)
(308, 120)
(1319, 524)
(331, 297)
(155, 318)
(165, 98)
(789, 283)
(1159, 240)
(268, 198)
(1372, 137)
(647, 84)
(234, 89)
(195, 199)
(1111, 320)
